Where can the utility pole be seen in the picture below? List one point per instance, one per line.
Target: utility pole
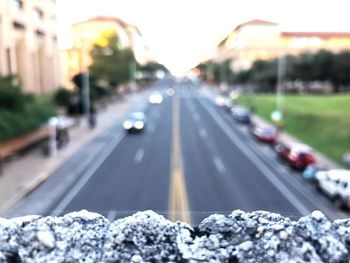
(85, 82)
(223, 75)
(281, 72)
(132, 74)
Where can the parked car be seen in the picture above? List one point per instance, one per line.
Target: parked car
(155, 98)
(310, 172)
(297, 155)
(266, 134)
(223, 102)
(241, 115)
(335, 184)
(135, 122)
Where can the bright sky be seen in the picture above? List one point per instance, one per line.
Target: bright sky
(180, 33)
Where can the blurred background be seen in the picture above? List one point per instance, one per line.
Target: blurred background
(183, 107)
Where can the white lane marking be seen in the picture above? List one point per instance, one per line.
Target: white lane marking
(219, 164)
(139, 155)
(86, 176)
(282, 170)
(156, 114)
(151, 128)
(111, 215)
(203, 133)
(196, 117)
(258, 163)
(267, 151)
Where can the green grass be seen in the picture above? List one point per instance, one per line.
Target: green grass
(322, 121)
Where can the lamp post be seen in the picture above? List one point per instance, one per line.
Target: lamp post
(132, 75)
(85, 82)
(277, 115)
(53, 123)
(281, 72)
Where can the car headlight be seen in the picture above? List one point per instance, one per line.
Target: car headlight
(139, 125)
(151, 99)
(127, 125)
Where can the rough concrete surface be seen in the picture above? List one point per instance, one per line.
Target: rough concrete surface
(148, 237)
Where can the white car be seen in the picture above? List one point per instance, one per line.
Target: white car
(335, 184)
(135, 123)
(155, 98)
(223, 102)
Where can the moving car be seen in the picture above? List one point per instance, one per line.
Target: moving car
(297, 155)
(135, 122)
(335, 183)
(267, 134)
(223, 102)
(241, 115)
(155, 98)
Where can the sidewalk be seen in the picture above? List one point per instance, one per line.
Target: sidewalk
(323, 161)
(22, 175)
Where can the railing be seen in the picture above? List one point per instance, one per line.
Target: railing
(12, 146)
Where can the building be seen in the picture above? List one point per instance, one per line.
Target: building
(88, 33)
(28, 44)
(264, 40)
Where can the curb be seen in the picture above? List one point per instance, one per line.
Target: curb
(31, 186)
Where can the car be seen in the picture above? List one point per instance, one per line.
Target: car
(310, 172)
(335, 184)
(155, 98)
(297, 155)
(241, 115)
(266, 134)
(223, 102)
(135, 123)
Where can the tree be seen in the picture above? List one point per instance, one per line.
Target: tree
(341, 69)
(111, 64)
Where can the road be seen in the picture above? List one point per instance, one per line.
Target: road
(192, 160)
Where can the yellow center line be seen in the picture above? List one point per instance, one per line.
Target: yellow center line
(178, 202)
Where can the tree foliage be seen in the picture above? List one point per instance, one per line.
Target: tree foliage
(152, 67)
(111, 64)
(20, 113)
(320, 66)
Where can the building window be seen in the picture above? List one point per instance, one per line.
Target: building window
(18, 25)
(38, 14)
(17, 4)
(39, 34)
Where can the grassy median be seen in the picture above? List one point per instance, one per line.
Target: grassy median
(322, 121)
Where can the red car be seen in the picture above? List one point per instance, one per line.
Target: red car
(265, 134)
(298, 156)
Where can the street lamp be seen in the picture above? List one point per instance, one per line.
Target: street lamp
(281, 71)
(277, 115)
(85, 82)
(53, 123)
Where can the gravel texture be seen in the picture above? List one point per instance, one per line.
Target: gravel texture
(148, 237)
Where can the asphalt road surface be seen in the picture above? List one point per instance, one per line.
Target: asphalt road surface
(192, 160)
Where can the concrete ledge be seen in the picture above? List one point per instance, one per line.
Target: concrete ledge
(148, 237)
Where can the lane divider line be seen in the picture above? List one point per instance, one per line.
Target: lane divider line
(178, 201)
(139, 155)
(219, 164)
(196, 117)
(203, 132)
(111, 215)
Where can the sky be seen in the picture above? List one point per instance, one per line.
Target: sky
(181, 33)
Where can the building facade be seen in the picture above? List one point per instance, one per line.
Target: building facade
(28, 44)
(264, 40)
(88, 33)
